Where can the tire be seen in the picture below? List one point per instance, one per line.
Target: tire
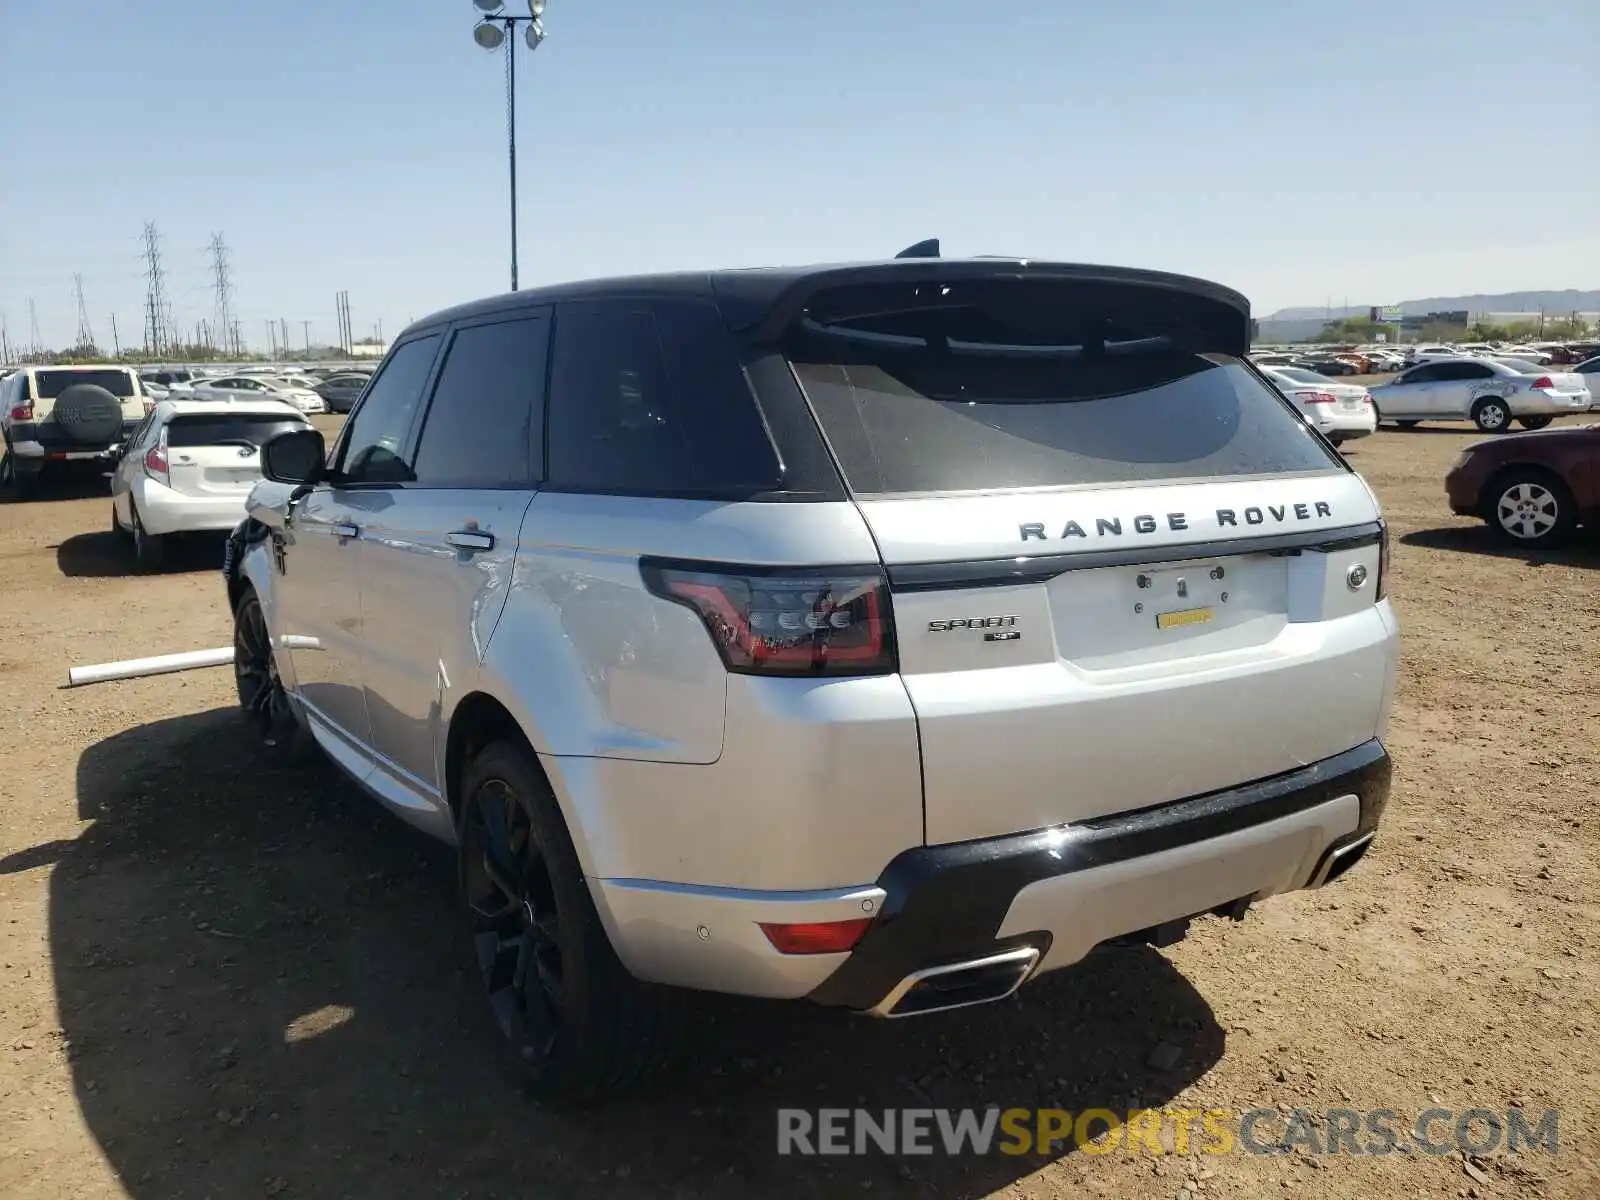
(262, 698)
(1529, 507)
(88, 414)
(572, 1024)
(1408, 424)
(1491, 414)
(1534, 422)
(149, 550)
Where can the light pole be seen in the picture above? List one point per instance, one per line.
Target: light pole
(494, 28)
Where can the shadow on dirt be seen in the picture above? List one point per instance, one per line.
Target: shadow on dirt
(61, 483)
(258, 985)
(1582, 551)
(98, 555)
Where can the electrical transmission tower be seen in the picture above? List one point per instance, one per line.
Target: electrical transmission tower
(33, 328)
(85, 334)
(156, 304)
(222, 285)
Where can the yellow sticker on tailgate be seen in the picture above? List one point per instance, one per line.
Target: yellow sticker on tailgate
(1184, 616)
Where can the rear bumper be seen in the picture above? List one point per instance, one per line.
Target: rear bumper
(1063, 891)
(1542, 404)
(32, 439)
(164, 511)
(1015, 905)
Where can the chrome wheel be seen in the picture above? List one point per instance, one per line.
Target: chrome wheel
(1491, 416)
(516, 926)
(1528, 510)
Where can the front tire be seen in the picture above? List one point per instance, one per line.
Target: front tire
(1491, 414)
(262, 697)
(1531, 508)
(1534, 422)
(573, 1025)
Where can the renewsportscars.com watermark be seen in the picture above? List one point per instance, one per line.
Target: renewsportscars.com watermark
(968, 1131)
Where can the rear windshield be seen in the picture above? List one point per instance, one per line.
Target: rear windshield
(909, 410)
(1299, 375)
(47, 385)
(229, 429)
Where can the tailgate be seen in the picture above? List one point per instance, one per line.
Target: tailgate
(1120, 563)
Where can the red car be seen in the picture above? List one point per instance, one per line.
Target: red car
(1533, 488)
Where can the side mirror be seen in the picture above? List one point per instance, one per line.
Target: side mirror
(294, 457)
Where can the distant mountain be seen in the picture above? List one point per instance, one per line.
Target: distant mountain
(1554, 303)
(1306, 321)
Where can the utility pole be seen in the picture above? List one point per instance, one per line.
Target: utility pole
(272, 338)
(116, 343)
(238, 340)
(5, 340)
(85, 334)
(156, 304)
(306, 326)
(33, 328)
(283, 330)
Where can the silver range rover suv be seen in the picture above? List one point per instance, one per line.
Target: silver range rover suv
(882, 635)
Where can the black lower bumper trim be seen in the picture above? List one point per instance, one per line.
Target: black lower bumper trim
(944, 904)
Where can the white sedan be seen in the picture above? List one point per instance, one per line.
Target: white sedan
(1340, 411)
(259, 387)
(1489, 392)
(188, 467)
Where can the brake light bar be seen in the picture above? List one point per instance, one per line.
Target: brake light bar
(785, 621)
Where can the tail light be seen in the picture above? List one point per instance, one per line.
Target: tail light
(23, 411)
(766, 621)
(155, 461)
(1544, 383)
(1383, 559)
(1317, 398)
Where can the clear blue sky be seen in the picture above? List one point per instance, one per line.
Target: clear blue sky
(1297, 151)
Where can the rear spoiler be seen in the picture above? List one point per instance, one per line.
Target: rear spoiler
(1200, 316)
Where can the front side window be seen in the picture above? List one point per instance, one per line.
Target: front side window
(486, 419)
(374, 443)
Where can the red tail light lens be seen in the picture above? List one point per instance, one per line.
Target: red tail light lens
(22, 412)
(155, 461)
(818, 937)
(834, 621)
(1544, 382)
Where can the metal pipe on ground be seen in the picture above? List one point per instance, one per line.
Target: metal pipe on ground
(160, 664)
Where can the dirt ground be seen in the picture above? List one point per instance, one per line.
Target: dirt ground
(221, 979)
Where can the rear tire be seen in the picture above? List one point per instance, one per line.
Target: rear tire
(1530, 507)
(1491, 414)
(572, 1024)
(1408, 424)
(1534, 422)
(149, 550)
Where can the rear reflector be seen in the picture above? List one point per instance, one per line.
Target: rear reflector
(817, 937)
(781, 621)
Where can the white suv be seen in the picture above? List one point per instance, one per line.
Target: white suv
(883, 635)
(64, 415)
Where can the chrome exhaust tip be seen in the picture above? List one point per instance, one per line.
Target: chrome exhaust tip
(1340, 859)
(959, 985)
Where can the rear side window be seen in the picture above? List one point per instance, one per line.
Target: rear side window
(956, 398)
(650, 398)
(229, 429)
(486, 419)
(50, 384)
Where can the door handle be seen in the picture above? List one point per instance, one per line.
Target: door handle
(470, 539)
(343, 530)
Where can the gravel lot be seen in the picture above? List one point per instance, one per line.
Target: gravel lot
(222, 979)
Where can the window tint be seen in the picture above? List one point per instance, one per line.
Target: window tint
(486, 420)
(1453, 371)
(652, 398)
(47, 385)
(962, 414)
(374, 444)
(1426, 374)
(223, 429)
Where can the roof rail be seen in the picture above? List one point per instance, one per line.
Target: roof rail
(924, 249)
